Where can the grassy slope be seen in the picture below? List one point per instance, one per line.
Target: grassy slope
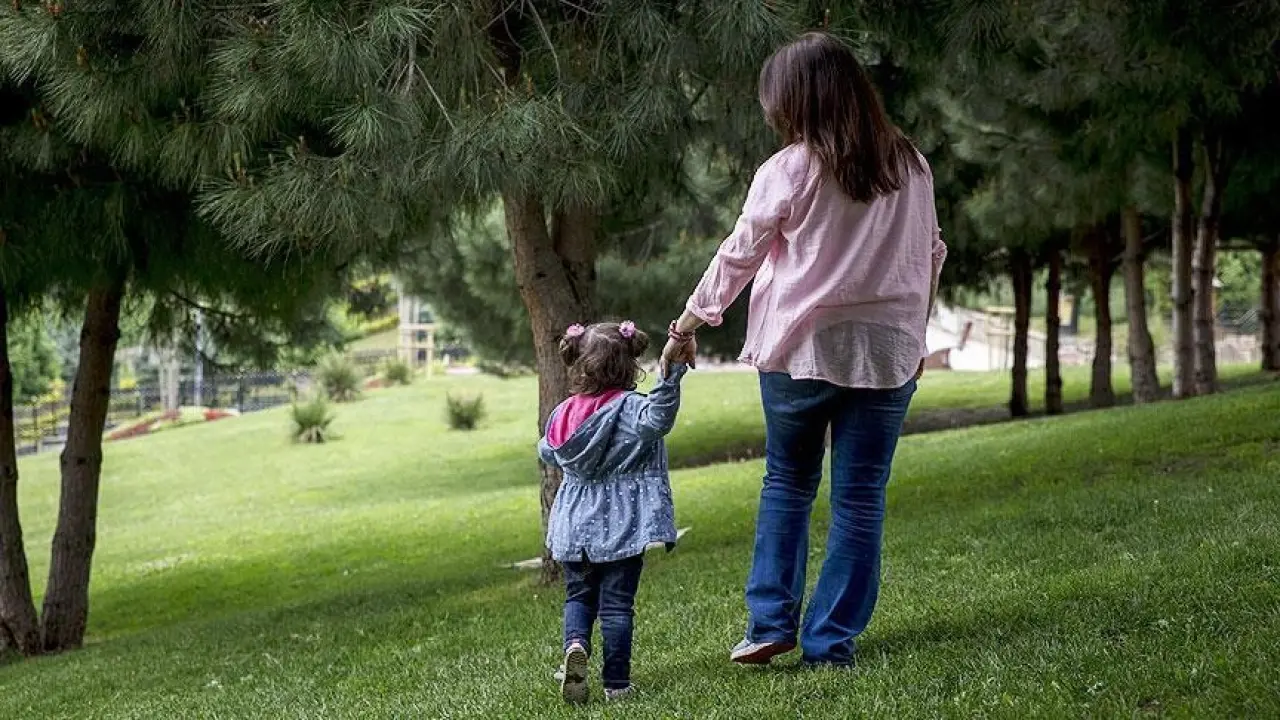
(1097, 564)
(385, 340)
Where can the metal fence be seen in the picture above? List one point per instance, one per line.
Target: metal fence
(43, 426)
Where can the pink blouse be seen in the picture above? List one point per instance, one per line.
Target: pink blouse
(842, 289)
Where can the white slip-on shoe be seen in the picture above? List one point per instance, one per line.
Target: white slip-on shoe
(758, 653)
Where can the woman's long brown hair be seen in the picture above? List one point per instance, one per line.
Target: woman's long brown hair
(814, 91)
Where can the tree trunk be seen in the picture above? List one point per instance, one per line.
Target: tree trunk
(1183, 293)
(1101, 268)
(555, 272)
(1021, 272)
(1142, 351)
(1053, 326)
(1204, 267)
(66, 602)
(1270, 315)
(19, 627)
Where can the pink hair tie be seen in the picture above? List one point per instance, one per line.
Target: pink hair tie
(627, 329)
(575, 331)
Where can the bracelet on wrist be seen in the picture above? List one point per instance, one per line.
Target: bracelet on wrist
(674, 333)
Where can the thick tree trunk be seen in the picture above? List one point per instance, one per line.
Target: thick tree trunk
(66, 602)
(1142, 351)
(1183, 240)
(555, 271)
(1270, 315)
(19, 627)
(1101, 268)
(1204, 267)
(1020, 271)
(1053, 327)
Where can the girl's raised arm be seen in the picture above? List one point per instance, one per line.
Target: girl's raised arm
(658, 412)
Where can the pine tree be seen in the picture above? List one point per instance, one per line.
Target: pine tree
(398, 119)
(1113, 80)
(1183, 69)
(102, 148)
(644, 264)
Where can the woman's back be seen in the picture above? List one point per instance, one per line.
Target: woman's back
(843, 288)
(839, 231)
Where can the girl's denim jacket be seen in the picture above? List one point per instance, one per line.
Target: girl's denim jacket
(616, 496)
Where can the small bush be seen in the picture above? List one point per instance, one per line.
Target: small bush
(500, 370)
(339, 378)
(311, 421)
(465, 412)
(397, 372)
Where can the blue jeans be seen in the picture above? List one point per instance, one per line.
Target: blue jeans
(606, 591)
(865, 425)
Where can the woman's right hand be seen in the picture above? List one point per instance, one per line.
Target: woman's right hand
(677, 351)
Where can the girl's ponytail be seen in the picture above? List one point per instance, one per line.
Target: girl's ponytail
(571, 344)
(637, 341)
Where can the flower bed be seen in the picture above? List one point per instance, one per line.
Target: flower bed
(168, 420)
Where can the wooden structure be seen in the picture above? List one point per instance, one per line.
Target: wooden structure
(999, 332)
(417, 332)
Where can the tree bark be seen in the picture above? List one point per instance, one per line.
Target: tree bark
(1101, 268)
(66, 602)
(1053, 328)
(1204, 267)
(1270, 314)
(1142, 351)
(19, 626)
(1020, 271)
(555, 272)
(1182, 291)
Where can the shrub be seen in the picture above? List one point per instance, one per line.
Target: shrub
(465, 412)
(311, 421)
(339, 378)
(501, 371)
(397, 372)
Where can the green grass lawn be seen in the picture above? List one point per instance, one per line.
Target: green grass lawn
(1101, 564)
(385, 340)
(724, 420)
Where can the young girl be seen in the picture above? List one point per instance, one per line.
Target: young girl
(615, 499)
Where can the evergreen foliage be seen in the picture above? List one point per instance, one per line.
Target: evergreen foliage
(536, 163)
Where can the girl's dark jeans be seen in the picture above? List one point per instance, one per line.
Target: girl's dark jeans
(606, 591)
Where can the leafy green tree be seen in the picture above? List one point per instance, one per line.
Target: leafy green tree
(33, 357)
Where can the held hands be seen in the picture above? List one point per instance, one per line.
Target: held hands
(677, 352)
(681, 347)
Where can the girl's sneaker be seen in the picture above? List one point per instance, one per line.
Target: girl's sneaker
(619, 693)
(573, 686)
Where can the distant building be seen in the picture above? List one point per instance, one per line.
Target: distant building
(417, 331)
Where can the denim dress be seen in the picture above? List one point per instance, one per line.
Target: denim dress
(616, 495)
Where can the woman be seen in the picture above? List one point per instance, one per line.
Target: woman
(840, 235)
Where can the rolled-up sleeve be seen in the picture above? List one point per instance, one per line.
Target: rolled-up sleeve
(768, 205)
